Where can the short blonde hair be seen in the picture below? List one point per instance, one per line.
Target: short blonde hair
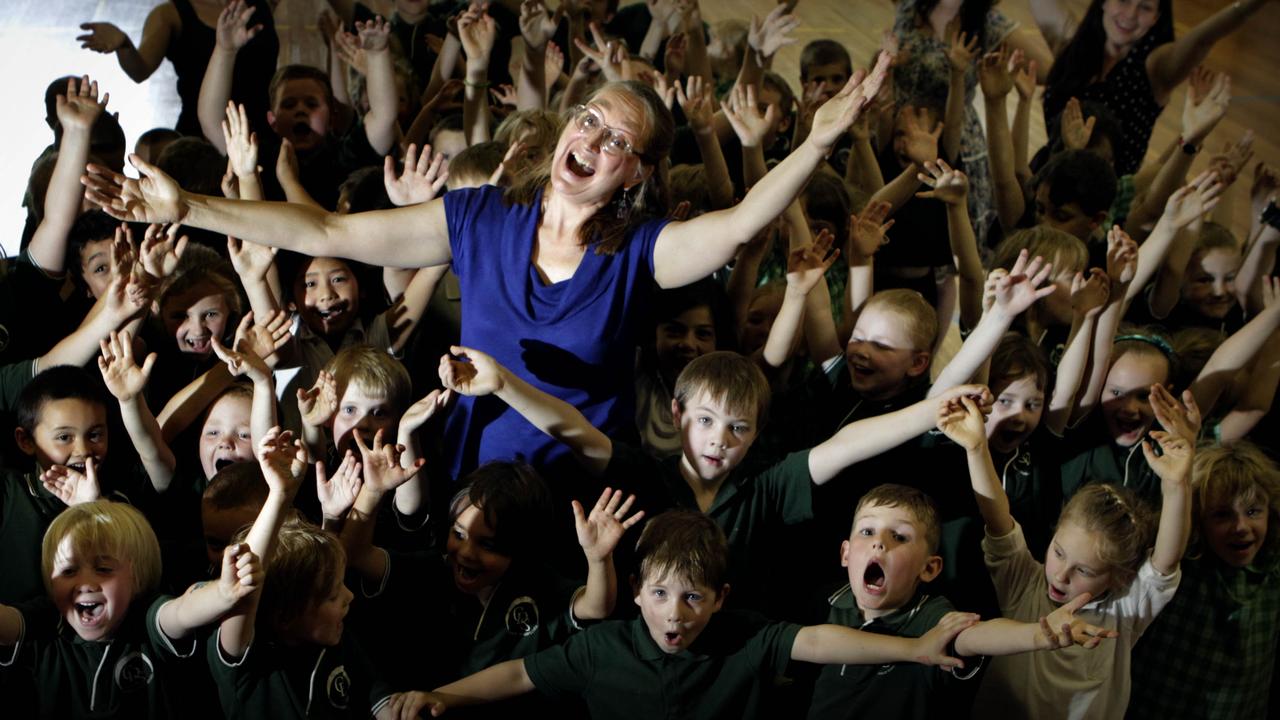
(303, 566)
(1224, 474)
(103, 527)
(373, 370)
(919, 317)
(1123, 526)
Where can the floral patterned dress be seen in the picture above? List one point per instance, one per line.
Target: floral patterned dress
(924, 78)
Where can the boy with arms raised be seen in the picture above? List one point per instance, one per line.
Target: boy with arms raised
(687, 660)
(890, 551)
(720, 401)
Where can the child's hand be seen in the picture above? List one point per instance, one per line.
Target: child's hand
(867, 231)
(71, 486)
(420, 412)
(350, 51)
(477, 32)
(961, 420)
(931, 648)
(1075, 129)
(806, 264)
(375, 35)
(474, 374)
(1024, 74)
(409, 705)
(283, 460)
(1263, 190)
(674, 58)
(421, 180)
(918, 143)
(995, 73)
(338, 493)
(287, 163)
(243, 361)
(79, 109)
(1122, 259)
(949, 184)
(263, 339)
(1232, 160)
(1061, 628)
(770, 35)
(102, 37)
(241, 141)
(697, 101)
(989, 287)
(320, 402)
(242, 573)
(743, 113)
(1180, 418)
(161, 250)
(381, 463)
(607, 55)
(1089, 296)
(1208, 94)
(537, 23)
(233, 31)
(505, 96)
(1191, 202)
(1020, 289)
(962, 48)
(250, 260)
(599, 532)
(124, 379)
(1173, 465)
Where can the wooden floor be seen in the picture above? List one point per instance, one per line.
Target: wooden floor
(37, 44)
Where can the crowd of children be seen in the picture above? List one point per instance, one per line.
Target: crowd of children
(252, 507)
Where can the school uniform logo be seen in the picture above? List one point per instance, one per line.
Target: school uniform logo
(338, 688)
(133, 672)
(522, 616)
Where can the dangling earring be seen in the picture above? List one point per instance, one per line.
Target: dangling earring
(624, 204)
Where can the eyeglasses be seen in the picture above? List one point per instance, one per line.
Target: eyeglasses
(589, 122)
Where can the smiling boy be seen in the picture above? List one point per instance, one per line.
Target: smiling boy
(678, 658)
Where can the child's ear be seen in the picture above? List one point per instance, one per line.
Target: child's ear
(920, 360)
(271, 118)
(26, 443)
(675, 411)
(844, 554)
(932, 567)
(720, 596)
(635, 588)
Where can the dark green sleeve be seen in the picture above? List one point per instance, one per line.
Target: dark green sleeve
(170, 648)
(563, 670)
(13, 378)
(776, 643)
(788, 489)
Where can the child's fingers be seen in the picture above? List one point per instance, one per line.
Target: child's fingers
(579, 517)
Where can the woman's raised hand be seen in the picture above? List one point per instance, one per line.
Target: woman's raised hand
(836, 115)
(152, 198)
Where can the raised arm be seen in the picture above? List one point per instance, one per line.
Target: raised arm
(537, 25)
(1016, 292)
(1184, 207)
(995, 75)
(598, 535)
(140, 61)
(961, 420)
(1170, 64)
(806, 265)
(686, 252)
(477, 31)
(1256, 400)
(412, 236)
(480, 375)
(77, 111)
(960, 55)
(869, 437)
(1122, 259)
(952, 188)
(1236, 353)
(126, 381)
(241, 576)
(1173, 465)
(233, 32)
(380, 126)
(697, 102)
(1088, 298)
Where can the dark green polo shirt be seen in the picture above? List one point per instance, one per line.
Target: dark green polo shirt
(621, 673)
(26, 509)
(276, 681)
(894, 690)
(1090, 456)
(752, 508)
(136, 674)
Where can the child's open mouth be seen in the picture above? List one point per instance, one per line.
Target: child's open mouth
(873, 578)
(202, 344)
(301, 129)
(671, 639)
(91, 613)
(221, 463)
(1056, 595)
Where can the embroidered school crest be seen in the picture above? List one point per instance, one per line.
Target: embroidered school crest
(133, 672)
(338, 687)
(522, 616)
